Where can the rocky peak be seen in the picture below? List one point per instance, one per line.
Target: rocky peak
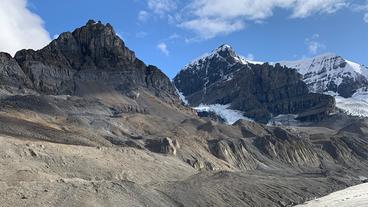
(224, 53)
(100, 41)
(217, 65)
(92, 55)
(92, 46)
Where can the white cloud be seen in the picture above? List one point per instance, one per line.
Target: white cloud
(304, 8)
(162, 6)
(250, 57)
(143, 16)
(141, 34)
(365, 18)
(20, 28)
(314, 46)
(210, 18)
(209, 28)
(163, 48)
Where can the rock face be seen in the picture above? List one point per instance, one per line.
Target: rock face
(285, 147)
(92, 54)
(234, 152)
(260, 91)
(10, 72)
(163, 145)
(330, 72)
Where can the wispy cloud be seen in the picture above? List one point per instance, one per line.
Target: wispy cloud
(314, 46)
(20, 28)
(250, 57)
(141, 34)
(365, 18)
(210, 18)
(162, 6)
(163, 48)
(209, 28)
(143, 16)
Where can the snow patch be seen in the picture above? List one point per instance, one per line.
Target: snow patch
(182, 97)
(356, 196)
(230, 116)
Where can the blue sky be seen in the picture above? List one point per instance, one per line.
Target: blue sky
(171, 33)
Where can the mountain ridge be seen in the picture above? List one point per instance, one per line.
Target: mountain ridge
(259, 90)
(350, 75)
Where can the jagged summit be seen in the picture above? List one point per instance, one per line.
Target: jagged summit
(224, 53)
(92, 46)
(91, 55)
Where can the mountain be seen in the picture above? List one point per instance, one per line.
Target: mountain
(84, 122)
(92, 54)
(330, 72)
(260, 91)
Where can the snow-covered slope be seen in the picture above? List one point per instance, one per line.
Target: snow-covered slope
(356, 196)
(330, 72)
(357, 105)
(223, 53)
(223, 111)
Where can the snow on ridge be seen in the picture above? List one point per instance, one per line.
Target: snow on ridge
(358, 68)
(215, 53)
(324, 69)
(182, 97)
(230, 116)
(317, 63)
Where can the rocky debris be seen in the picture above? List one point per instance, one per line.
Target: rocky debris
(260, 91)
(287, 148)
(234, 152)
(211, 115)
(163, 145)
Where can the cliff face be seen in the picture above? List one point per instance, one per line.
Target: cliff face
(10, 72)
(91, 54)
(260, 91)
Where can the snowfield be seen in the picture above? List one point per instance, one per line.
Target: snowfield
(357, 105)
(356, 196)
(230, 116)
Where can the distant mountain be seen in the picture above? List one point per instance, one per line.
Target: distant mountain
(260, 91)
(330, 72)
